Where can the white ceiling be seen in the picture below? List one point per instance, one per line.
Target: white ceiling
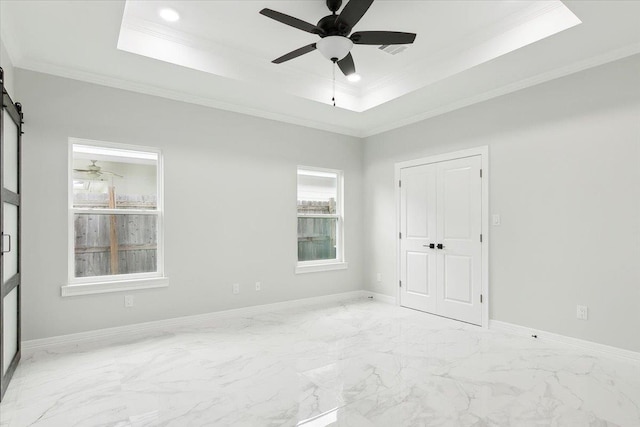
(219, 52)
(230, 39)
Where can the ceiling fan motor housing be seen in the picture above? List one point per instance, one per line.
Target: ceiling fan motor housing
(332, 27)
(93, 167)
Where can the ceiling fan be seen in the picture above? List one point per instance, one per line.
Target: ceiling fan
(94, 171)
(335, 42)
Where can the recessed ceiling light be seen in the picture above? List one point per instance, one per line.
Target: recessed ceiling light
(354, 77)
(169, 15)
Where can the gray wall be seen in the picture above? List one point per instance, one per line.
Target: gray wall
(230, 200)
(565, 176)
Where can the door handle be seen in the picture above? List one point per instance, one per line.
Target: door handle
(3, 236)
(430, 246)
(440, 246)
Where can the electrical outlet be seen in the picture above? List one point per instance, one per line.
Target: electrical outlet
(258, 286)
(379, 277)
(128, 301)
(236, 288)
(582, 312)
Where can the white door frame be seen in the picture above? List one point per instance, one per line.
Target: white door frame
(483, 152)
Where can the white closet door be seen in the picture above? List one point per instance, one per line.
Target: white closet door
(418, 228)
(459, 216)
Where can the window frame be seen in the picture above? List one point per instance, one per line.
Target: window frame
(339, 262)
(118, 282)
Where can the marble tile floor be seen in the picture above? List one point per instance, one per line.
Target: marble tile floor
(361, 363)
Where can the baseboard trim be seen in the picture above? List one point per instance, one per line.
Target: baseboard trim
(500, 326)
(158, 325)
(380, 297)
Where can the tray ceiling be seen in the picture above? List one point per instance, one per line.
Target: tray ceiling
(219, 53)
(230, 39)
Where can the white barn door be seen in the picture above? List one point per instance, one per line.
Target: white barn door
(441, 206)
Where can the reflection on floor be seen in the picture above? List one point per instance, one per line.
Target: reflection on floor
(360, 363)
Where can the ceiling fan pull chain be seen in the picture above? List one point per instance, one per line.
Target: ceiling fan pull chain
(334, 85)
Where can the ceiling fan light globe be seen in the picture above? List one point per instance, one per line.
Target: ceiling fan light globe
(169, 15)
(334, 47)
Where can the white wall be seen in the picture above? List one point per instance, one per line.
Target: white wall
(7, 67)
(230, 204)
(565, 176)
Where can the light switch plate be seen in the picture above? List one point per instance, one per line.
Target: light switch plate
(495, 219)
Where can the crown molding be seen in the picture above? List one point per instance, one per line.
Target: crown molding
(147, 89)
(510, 88)
(19, 61)
(358, 133)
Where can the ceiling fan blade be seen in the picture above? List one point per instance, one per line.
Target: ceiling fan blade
(111, 173)
(346, 65)
(291, 21)
(82, 170)
(382, 37)
(353, 12)
(294, 54)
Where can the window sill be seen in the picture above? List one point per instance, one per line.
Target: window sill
(119, 286)
(316, 268)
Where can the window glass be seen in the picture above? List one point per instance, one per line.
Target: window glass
(317, 192)
(319, 215)
(316, 238)
(129, 175)
(132, 238)
(123, 238)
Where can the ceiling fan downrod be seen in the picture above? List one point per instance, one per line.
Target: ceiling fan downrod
(334, 5)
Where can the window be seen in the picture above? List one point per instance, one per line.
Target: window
(115, 218)
(320, 220)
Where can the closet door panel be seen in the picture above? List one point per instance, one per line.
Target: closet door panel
(456, 214)
(457, 276)
(459, 227)
(418, 228)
